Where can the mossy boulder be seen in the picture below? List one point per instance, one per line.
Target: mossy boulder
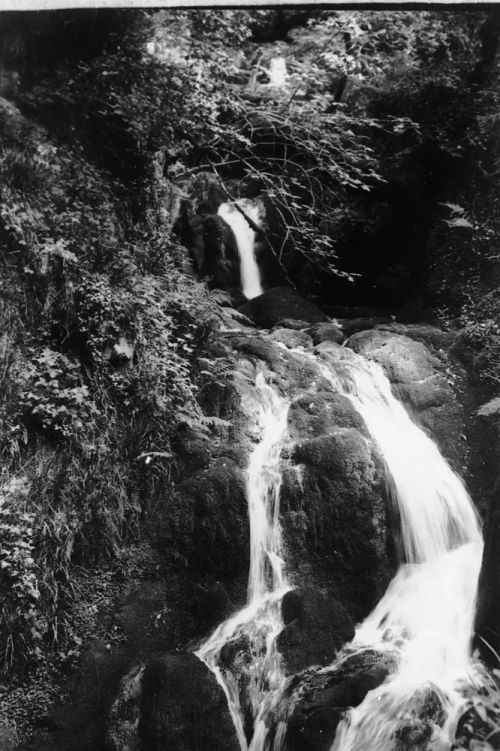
(172, 701)
(316, 626)
(216, 520)
(278, 303)
(335, 516)
(326, 332)
(291, 338)
(319, 700)
(183, 707)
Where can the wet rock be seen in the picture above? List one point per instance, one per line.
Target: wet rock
(490, 410)
(322, 413)
(210, 239)
(291, 339)
(422, 332)
(319, 700)
(316, 626)
(194, 447)
(474, 725)
(183, 707)
(487, 625)
(277, 303)
(236, 298)
(205, 193)
(214, 520)
(326, 332)
(351, 326)
(411, 368)
(257, 347)
(296, 371)
(236, 652)
(413, 735)
(209, 603)
(346, 451)
(423, 716)
(334, 513)
(291, 323)
(123, 725)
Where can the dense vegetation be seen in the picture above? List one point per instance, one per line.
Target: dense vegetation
(379, 160)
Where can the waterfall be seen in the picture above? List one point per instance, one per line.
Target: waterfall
(245, 241)
(258, 624)
(426, 616)
(277, 72)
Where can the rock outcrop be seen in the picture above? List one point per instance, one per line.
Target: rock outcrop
(277, 303)
(173, 701)
(316, 627)
(315, 702)
(183, 707)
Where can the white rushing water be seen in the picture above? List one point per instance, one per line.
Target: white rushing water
(245, 240)
(426, 616)
(277, 72)
(424, 620)
(259, 622)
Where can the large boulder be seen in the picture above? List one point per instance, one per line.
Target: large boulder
(214, 523)
(316, 626)
(278, 303)
(123, 723)
(291, 338)
(316, 701)
(351, 326)
(172, 702)
(326, 332)
(334, 510)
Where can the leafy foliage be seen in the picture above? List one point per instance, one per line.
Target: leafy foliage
(480, 723)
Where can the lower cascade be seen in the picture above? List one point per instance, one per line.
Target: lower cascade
(426, 616)
(424, 621)
(259, 622)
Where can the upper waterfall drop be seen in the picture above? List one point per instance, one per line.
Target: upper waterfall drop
(251, 283)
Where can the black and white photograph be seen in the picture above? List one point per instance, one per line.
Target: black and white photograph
(249, 376)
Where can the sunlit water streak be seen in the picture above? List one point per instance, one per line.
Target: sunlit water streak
(251, 283)
(259, 622)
